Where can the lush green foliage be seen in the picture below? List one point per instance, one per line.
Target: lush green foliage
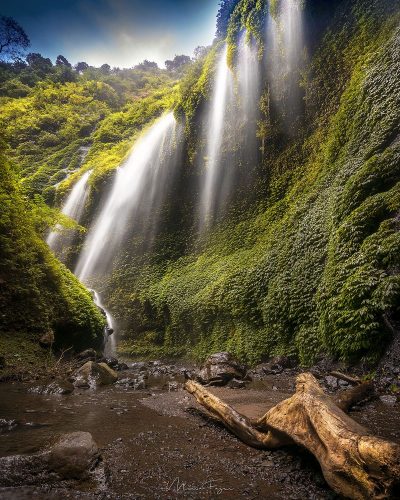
(38, 294)
(307, 259)
(314, 267)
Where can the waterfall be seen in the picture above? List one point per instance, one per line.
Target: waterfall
(215, 126)
(73, 208)
(231, 125)
(109, 338)
(133, 186)
(285, 58)
(248, 72)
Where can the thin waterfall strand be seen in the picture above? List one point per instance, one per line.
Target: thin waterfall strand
(218, 105)
(73, 208)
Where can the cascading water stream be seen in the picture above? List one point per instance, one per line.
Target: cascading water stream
(73, 208)
(138, 188)
(285, 58)
(127, 191)
(248, 71)
(231, 122)
(109, 338)
(215, 127)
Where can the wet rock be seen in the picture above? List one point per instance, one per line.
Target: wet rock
(88, 354)
(47, 339)
(171, 386)
(59, 386)
(220, 368)
(121, 367)
(92, 374)
(73, 456)
(388, 399)
(8, 425)
(111, 362)
(272, 368)
(237, 384)
(109, 331)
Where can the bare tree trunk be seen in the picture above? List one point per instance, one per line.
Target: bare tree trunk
(354, 463)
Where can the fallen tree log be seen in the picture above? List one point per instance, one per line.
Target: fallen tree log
(354, 463)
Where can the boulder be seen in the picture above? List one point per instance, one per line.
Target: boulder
(73, 455)
(220, 368)
(92, 374)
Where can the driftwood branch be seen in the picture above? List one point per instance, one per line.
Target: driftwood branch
(354, 463)
(346, 378)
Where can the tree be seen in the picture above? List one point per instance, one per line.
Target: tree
(146, 65)
(80, 67)
(39, 63)
(13, 39)
(105, 69)
(226, 7)
(177, 63)
(19, 64)
(199, 52)
(62, 61)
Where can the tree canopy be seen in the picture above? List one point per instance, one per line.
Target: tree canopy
(13, 39)
(177, 63)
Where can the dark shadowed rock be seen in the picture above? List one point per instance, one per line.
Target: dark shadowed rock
(88, 354)
(111, 362)
(121, 367)
(220, 368)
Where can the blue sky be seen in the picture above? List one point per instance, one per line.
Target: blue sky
(118, 32)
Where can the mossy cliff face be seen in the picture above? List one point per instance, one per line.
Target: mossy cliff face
(305, 258)
(37, 294)
(313, 266)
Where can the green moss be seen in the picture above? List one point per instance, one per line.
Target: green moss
(314, 267)
(38, 294)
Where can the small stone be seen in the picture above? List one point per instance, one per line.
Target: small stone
(267, 463)
(331, 381)
(388, 399)
(237, 384)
